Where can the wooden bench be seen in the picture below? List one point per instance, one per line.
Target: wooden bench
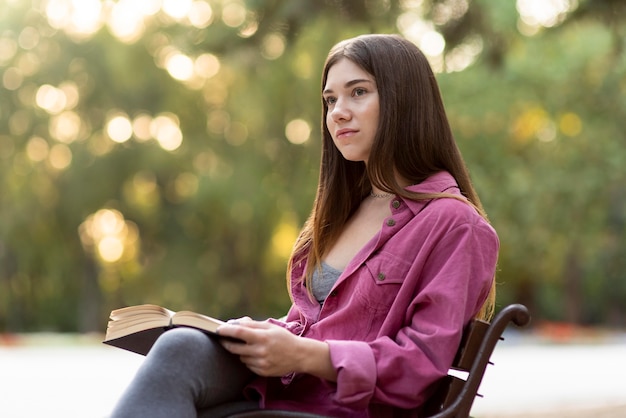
(454, 396)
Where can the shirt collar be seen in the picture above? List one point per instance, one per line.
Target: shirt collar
(441, 182)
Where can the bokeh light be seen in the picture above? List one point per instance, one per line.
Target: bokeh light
(37, 149)
(80, 19)
(545, 13)
(65, 127)
(298, 131)
(119, 128)
(12, 78)
(206, 65)
(180, 66)
(177, 9)
(273, 46)
(570, 124)
(50, 99)
(200, 14)
(233, 13)
(109, 236)
(422, 33)
(60, 157)
(141, 127)
(164, 128)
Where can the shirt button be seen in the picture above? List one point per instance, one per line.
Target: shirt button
(391, 222)
(381, 276)
(395, 204)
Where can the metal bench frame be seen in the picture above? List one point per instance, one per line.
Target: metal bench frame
(454, 396)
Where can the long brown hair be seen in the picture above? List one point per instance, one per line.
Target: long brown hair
(414, 141)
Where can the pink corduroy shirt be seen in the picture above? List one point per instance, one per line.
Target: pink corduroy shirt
(394, 318)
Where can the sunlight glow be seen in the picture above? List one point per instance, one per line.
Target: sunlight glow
(110, 249)
(534, 122)
(570, 124)
(200, 14)
(273, 46)
(72, 95)
(298, 131)
(432, 43)
(29, 38)
(65, 127)
(126, 20)
(60, 157)
(12, 78)
(37, 149)
(177, 9)
(51, 99)
(444, 12)
(421, 33)
(233, 13)
(141, 127)
(544, 13)
(464, 55)
(249, 29)
(8, 48)
(28, 63)
(119, 128)
(206, 65)
(78, 18)
(180, 66)
(109, 235)
(164, 128)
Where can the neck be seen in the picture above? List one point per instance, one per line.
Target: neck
(379, 194)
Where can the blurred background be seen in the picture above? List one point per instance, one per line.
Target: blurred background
(167, 151)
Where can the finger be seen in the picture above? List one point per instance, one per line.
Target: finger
(239, 320)
(256, 365)
(230, 330)
(234, 347)
(256, 324)
(243, 331)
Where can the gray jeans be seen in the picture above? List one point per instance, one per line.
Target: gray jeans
(185, 371)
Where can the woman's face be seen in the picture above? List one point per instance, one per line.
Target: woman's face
(353, 109)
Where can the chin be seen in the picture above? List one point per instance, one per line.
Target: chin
(354, 158)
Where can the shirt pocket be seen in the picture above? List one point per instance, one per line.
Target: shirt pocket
(383, 277)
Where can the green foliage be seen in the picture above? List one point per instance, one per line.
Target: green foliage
(89, 223)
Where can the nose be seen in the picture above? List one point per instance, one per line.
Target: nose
(340, 111)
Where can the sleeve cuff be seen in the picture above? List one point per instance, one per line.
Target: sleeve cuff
(356, 372)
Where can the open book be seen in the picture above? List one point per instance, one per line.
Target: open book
(136, 328)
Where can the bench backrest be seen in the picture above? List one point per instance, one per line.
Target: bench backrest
(455, 396)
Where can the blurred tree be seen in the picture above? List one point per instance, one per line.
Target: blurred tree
(166, 151)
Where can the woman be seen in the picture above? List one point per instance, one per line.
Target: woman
(395, 259)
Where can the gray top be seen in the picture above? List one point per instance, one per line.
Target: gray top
(323, 280)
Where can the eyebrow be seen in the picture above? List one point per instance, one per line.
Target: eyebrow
(350, 83)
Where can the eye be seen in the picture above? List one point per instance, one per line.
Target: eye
(330, 100)
(359, 91)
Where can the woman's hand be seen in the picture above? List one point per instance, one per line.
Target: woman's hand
(270, 350)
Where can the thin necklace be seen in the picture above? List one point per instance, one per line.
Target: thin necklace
(380, 195)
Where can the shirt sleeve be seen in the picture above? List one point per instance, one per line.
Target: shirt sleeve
(290, 322)
(451, 286)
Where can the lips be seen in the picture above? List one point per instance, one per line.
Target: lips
(345, 132)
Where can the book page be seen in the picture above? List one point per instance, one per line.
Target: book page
(142, 310)
(117, 330)
(196, 320)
